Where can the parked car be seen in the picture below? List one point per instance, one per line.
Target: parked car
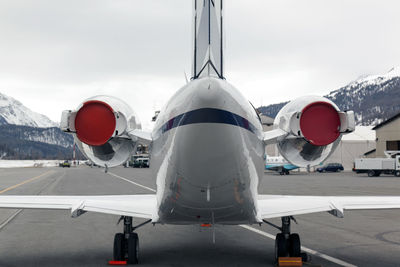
(64, 164)
(141, 163)
(331, 167)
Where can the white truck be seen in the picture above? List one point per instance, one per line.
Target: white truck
(376, 166)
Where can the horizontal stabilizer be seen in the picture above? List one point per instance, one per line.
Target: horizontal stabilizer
(272, 206)
(139, 206)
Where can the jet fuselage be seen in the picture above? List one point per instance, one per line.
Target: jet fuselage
(207, 155)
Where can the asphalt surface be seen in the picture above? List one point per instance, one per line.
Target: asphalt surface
(53, 238)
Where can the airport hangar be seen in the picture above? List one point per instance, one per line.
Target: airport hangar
(387, 137)
(353, 145)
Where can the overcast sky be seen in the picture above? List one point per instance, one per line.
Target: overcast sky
(54, 54)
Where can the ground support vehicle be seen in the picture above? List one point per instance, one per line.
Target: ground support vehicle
(141, 163)
(377, 166)
(64, 164)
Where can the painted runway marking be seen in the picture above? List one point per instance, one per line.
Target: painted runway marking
(15, 186)
(129, 181)
(303, 248)
(25, 182)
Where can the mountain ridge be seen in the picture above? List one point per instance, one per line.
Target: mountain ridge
(373, 98)
(25, 134)
(14, 112)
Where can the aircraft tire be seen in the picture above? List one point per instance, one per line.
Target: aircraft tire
(133, 248)
(119, 243)
(294, 245)
(280, 246)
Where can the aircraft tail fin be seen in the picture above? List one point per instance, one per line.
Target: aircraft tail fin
(208, 39)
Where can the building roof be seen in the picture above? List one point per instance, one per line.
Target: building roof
(386, 121)
(266, 120)
(361, 133)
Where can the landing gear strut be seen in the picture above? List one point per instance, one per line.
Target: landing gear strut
(287, 244)
(126, 245)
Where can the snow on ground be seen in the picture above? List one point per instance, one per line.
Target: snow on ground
(28, 163)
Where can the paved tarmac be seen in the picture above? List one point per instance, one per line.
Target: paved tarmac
(53, 238)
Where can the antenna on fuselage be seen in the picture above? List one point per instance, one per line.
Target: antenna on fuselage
(208, 39)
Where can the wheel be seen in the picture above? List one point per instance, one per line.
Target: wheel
(371, 173)
(294, 245)
(280, 246)
(119, 247)
(397, 173)
(133, 248)
(287, 172)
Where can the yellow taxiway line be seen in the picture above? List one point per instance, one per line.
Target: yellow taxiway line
(25, 182)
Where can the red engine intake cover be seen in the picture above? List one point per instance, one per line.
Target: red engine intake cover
(95, 123)
(320, 123)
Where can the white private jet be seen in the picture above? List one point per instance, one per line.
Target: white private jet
(207, 151)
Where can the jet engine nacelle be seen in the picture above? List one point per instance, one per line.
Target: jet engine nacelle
(314, 125)
(100, 126)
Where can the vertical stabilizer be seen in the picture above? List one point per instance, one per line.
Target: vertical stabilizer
(208, 39)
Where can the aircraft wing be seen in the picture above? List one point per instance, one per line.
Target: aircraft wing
(139, 206)
(271, 206)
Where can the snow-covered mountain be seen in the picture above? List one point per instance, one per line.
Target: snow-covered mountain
(51, 136)
(373, 98)
(14, 112)
(25, 142)
(25, 134)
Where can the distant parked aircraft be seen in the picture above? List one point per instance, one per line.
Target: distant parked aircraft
(279, 164)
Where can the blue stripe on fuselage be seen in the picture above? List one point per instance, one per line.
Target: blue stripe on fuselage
(207, 115)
